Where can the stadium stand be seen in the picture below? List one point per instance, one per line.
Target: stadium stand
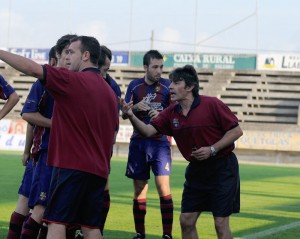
(262, 100)
(254, 96)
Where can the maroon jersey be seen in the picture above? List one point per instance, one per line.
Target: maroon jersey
(205, 124)
(84, 120)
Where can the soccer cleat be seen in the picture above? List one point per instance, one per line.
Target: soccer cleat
(139, 236)
(167, 237)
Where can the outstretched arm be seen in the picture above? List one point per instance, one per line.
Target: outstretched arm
(146, 130)
(9, 104)
(20, 63)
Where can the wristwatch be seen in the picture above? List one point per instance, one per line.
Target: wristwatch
(213, 151)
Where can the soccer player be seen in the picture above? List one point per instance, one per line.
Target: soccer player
(21, 213)
(84, 123)
(205, 130)
(150, 95)
(104, 65)
(7, 92)
(37, 111)
(22, 210)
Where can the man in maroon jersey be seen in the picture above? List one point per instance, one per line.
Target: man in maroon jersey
(84, 123)
(204, 129)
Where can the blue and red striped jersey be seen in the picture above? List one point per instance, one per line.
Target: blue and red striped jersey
(157, 95)
(39, 100)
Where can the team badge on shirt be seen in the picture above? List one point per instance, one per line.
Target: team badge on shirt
(176, 123)
(43, 196)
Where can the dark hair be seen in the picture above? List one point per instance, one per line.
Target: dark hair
(104, 52)
(91, 45)
(63, 42)
(52, 53)
(187, 74)
(152, 54)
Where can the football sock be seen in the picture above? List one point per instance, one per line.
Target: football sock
(166, 209)
(30, 229)
(139, 213)
(105, 209)
(43, 232)
(15, 225)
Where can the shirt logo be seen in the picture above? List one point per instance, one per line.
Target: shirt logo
(175, 123)
(43, 196)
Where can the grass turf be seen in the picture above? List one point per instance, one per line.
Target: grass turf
(269, 199)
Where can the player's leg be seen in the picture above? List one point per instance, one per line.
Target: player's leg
(17, 218)
(138, 169)
(226, 198)
(166, 204)
(140, 207)
(38, 198)
(162, 166)
(188, 225)
(106, 206)
(222, 227)
(89, 233)
(22, 210)
(56, 231)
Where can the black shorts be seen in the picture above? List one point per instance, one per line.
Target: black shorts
(212, 185)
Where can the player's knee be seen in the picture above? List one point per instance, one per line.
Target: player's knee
(186, 221)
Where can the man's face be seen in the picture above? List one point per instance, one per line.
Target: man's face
(74, 57)
(154, 70)
(104, 69)
(61, 58)
(178, 90)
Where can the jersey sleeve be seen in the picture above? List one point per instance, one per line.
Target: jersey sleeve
(128, 95)
(226, 119)
(5, 89)
(162, 123)
(57, 80)
(33, 99)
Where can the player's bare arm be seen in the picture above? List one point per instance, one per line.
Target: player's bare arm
(36, 118)
(28, 144)
(9, 104)
(146, 130)
(20, 63)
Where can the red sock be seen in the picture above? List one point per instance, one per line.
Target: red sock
(30, 229)
(15, 225)
(166, 209)
(139, 213)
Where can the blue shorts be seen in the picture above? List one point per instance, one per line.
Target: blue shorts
(76, 198)
(40, 181)
(212, 185)
(27, 179)
(148, 153)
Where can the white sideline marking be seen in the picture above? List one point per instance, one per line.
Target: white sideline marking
(271, 231)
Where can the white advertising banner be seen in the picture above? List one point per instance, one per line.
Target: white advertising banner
(12, 142)
(278, 62)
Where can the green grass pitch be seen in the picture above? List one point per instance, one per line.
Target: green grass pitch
(270, 199)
